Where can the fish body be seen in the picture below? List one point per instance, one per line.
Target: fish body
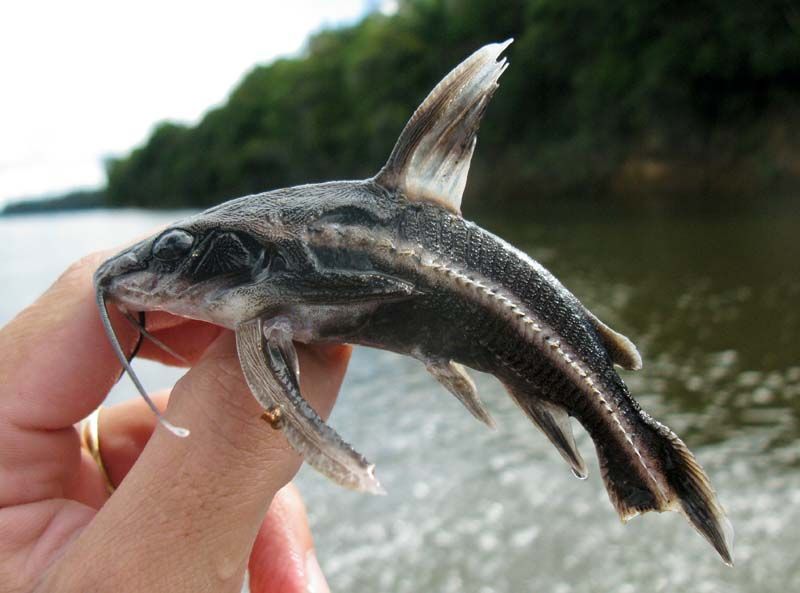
(389, 262)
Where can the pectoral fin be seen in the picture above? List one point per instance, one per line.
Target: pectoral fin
(455, 379)
(337, 286)
(554, 423)
(269, 363)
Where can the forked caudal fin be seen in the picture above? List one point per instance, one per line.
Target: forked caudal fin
(653, 470)
(644, 465)
(430, 161)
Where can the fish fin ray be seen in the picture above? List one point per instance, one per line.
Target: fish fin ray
(698, 500)
(269, 368)
(431, 159)
(554, 422)
(345, 286)
(455, 379)
(682, 485)
(622, 350)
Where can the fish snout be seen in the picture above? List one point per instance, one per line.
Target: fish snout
(119, 265)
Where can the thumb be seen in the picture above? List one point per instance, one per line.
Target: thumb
(190, 509)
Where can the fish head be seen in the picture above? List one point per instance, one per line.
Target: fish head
(224, 266)
(214, 266)
(251, 257)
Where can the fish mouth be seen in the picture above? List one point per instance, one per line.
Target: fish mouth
(134, 293)
(138, 290)
(132, 286)
(145, 290)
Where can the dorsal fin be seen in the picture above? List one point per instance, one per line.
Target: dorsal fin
(431, 159)
(622, 350)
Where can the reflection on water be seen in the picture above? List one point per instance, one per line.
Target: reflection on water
(712, 304)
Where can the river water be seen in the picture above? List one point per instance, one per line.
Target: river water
(713, 304)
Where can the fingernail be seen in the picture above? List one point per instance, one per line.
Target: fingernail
(315, 580)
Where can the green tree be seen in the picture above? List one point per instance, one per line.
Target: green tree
(592, 83)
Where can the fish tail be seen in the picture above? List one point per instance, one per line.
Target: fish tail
(646, 467)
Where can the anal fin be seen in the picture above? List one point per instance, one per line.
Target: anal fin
(554, 422)
(455, 379)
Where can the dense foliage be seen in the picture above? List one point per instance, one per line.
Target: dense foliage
(77, 200)
(592, 86)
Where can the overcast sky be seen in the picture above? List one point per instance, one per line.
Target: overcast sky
(84, 79)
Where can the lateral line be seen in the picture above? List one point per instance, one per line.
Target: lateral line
(518, 313)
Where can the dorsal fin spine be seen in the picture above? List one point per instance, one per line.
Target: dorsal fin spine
(431, 159)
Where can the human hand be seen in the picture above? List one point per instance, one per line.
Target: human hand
(187, 514)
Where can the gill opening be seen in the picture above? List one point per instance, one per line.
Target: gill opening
(115, 345)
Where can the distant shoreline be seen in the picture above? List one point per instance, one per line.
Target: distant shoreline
(584, 205)
(76, 200)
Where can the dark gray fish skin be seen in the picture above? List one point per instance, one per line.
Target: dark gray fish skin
(390, 263)
(644, 464)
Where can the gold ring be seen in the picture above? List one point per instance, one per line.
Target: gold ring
(90, 440)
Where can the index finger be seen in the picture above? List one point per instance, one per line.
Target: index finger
(55, 359)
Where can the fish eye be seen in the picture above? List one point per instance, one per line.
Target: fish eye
(172, 245)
